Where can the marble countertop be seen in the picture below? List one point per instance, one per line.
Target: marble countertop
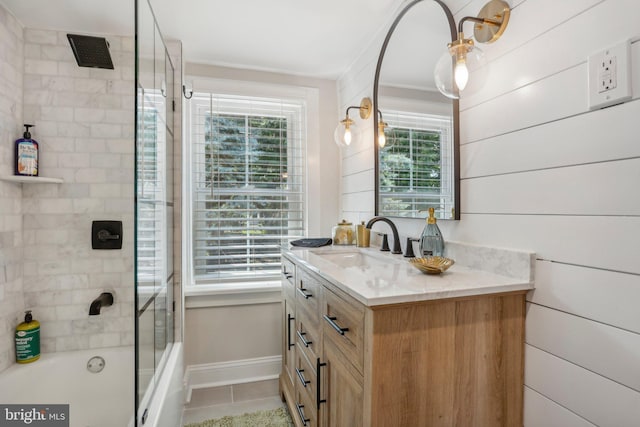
(378, 278)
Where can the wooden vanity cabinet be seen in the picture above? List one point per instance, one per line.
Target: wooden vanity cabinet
(288, 324)
(440, 363)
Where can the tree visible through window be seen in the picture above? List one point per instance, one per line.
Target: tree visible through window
(413, 165)
(248, 197)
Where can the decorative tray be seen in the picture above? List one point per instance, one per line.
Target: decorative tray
(432, 264)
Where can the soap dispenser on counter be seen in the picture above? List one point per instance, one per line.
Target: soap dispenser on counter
(431, 241)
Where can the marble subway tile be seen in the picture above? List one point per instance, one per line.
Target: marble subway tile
(40, 67)
(32, 51)
(73, 342)
(41, 37)
(104, 340)
(56, 114)
(57, 83)
(90, 115)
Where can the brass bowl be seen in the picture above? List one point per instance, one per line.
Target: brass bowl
(432, 264)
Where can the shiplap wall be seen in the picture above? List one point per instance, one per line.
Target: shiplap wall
(541, 172)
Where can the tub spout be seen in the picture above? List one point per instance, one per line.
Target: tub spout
(104, 300)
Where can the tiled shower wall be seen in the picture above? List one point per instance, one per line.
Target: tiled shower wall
(84, 121)
(11, 239)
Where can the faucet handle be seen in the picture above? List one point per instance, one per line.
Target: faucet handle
(385, 243)
(409, 251)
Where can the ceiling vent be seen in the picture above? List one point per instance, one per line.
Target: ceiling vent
(90, 51)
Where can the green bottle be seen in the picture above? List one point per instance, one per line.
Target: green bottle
(431, 241)
(28, 340)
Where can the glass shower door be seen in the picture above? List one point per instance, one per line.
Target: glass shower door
(154, 205)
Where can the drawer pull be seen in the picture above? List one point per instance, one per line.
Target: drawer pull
(287, 275)
(334, 325)
(318, 383)
(289, 319)
(303, 339)
(301, 414)
(303, 380)
(304, 293)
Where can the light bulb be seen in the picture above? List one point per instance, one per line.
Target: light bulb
(461, 73)
(462, 67)
(382, 138)
(347, 135)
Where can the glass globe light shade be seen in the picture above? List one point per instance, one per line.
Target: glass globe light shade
(460, 73)
(346, 133)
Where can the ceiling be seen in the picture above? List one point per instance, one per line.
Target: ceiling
(318, 39)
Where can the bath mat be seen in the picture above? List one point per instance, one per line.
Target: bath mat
(269, 418)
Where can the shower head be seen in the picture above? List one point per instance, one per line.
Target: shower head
(91, 51)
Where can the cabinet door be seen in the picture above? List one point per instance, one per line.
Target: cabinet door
(342, 390)
(289, 348)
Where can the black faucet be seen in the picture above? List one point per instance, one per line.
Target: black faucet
(396, 238)
(105, 299)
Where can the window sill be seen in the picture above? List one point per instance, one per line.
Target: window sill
(224, 295)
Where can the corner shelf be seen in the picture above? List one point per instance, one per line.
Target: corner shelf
(31, 179)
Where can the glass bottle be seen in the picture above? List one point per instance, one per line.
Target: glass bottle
(431, 241)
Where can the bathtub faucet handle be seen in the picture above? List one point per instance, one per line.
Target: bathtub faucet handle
(104, 235)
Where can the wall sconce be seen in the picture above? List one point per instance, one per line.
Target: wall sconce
(347, 132)
(452, 70)
(382, 137)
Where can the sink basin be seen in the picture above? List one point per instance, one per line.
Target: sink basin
(354, 259)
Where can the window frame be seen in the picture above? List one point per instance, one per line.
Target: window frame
(222, 291)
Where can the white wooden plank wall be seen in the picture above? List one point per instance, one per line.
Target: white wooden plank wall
(542, 172)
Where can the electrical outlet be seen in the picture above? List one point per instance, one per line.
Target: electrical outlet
(607, 73)
(610, 76)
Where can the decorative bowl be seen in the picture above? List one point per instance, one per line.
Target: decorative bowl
(432, 264)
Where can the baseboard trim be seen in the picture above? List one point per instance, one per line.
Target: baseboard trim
(208, 375)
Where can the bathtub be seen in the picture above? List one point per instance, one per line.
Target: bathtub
(103, 399)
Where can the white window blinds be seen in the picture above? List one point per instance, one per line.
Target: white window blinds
(416, 164)
(248, 184)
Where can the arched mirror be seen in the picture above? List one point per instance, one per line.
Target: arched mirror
(418, 167)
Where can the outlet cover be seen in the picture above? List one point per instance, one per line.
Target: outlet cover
(610, 76)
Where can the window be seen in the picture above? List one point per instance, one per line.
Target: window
(248, 168)
(416, 164)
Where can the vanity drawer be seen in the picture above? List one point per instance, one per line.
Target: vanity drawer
(343, 325)
(305, 376)
(308, 335)
(308, 293)
(305, 410)
(288, 271)
(288, 280)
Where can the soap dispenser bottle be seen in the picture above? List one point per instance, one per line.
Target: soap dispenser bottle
(28, 339)
(431, 242)
(26, 163)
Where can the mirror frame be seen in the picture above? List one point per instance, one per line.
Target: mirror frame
(456, 111)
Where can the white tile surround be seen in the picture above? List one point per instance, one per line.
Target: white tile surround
(542, 173)
(11, 237)
(84, 125)
(84, 122)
